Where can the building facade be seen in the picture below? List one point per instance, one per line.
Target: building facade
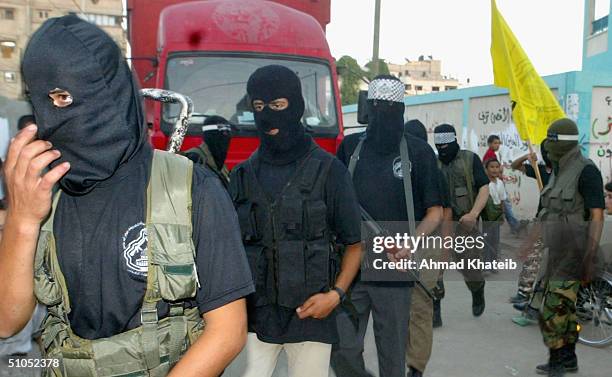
(423, 76)
(20, 18)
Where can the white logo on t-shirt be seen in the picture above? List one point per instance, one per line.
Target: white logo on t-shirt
(135, 249)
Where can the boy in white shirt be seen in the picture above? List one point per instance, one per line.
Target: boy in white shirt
(494, 210)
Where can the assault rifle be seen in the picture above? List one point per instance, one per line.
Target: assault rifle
(377, 230)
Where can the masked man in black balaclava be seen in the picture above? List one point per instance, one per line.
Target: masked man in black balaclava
(294, 203)
(572, 219)
(117, 303)
(216, 135)
(468, 186)
(378, 177)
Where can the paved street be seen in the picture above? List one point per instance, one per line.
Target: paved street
(489, 346)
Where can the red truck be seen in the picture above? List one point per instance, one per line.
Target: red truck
(208, 49)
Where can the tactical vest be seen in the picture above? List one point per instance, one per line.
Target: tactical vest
(154, 347)
(561, 200)
(460, 177)
(205, 158)
(287, 239)
(564, 220)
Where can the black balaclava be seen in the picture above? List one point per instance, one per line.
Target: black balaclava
(217, 138)
(547, 160)
(385, 114)
(417, 129)
(102, 127)
(267, 84)
(445, 134)
(562, 138)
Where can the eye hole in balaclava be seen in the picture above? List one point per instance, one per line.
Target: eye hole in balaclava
(85, 100)
(385, 114)
(445, 139)
(275, 93)
(60, 97)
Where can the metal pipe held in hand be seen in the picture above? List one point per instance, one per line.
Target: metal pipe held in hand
(182, 123)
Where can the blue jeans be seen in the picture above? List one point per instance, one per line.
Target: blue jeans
(512, 221)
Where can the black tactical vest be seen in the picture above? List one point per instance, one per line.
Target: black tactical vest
(287, 239)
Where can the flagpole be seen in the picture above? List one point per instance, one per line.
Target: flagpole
(534, 165)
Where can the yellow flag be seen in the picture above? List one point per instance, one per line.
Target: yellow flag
(534, 106)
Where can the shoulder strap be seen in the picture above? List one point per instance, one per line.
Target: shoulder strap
(355, 155)
(169, 189)
(407, 178)
(168, 202)
(466, 162)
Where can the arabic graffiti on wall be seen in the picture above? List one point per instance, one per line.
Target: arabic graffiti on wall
(599, 144)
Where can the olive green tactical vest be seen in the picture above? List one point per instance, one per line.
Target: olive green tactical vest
(561, 200)
(460, 177)
(154, 347)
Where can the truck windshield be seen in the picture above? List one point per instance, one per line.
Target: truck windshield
(217, 86)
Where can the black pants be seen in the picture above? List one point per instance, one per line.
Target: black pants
(390, 308)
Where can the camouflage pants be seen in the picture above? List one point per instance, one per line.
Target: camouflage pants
(558, 321)
(530, 269)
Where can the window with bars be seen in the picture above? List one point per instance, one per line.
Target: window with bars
(7, 13)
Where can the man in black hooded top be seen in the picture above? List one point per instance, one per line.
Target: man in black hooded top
(379, 184)
(88, 110)
(468, 186)
(294, 203)
(216, 137)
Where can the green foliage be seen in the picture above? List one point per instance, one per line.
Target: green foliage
(350, 75)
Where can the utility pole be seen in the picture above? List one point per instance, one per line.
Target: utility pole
(375, 58)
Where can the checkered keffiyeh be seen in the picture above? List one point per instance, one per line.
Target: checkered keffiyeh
(386, 90)
(444, 137)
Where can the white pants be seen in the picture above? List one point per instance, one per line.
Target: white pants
(306, 359)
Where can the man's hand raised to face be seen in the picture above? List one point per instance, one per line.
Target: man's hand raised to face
(30, 191)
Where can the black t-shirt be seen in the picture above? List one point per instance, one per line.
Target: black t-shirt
(590, 186)
(530, 172)
(379, 184)
(444, 190)
(478, 171)
(282, 325)
(103, 255)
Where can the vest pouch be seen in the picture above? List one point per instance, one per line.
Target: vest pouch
(122, 354)
(568, 199)
(553, 202)
(259, 266)
(175, 269)
(248, 222)
(316, 219)
(318, 266)
(290, 215)
(463, 200)
(291, 274)
(46, 290)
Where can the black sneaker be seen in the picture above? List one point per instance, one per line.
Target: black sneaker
(567, 362)
(478, 302)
